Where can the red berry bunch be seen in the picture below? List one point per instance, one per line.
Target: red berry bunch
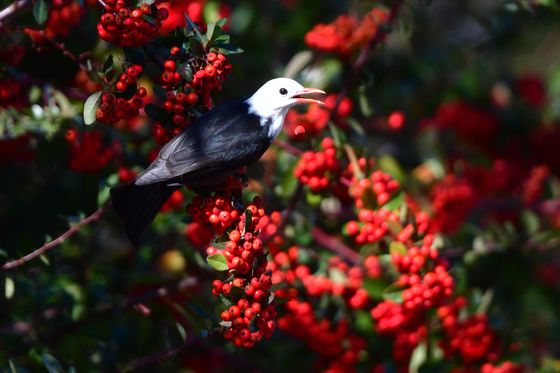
(414, 259)
(452, 200)
(318, 169)
(130, 77)
(198, 234)
(129, 26)
(250, 315)
(311, 122)
(126, 175)
(505, 367)
(64, 15)
(209, 75)
(470, 123)
(114, 109)
(250, 321)
(375, 190)
(11, 93)
(428, 291)
(215, 211)
(533, 186)
(372, 225)
(174, 203)
(472, 340)
(346, 33)
(333, 341)
(182, 95)
(87, 152)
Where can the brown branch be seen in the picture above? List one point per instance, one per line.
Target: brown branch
(12, 9)
(331, 243)
(288, 147)
(49, 245)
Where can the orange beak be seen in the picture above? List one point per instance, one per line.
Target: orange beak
(308, 91)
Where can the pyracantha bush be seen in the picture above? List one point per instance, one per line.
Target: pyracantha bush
(410, 223)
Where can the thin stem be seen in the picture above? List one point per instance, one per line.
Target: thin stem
(331, 243)
(57, 241)
(12, 9)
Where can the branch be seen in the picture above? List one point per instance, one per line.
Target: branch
(12, 9)
(49, 245)
(331, 243)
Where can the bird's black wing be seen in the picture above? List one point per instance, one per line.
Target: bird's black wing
(228, 136)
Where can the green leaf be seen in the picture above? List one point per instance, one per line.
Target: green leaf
(90, 107)
(418, 358)
(40, 11)
(530, 222)
(397, 248)
(9, 288)
(181, 331)
(149, 19)
(337, 276)
(248, 220)
(375, 287)
(222, 39)
(210, 30)
(221, 22)
(52, 365)
(108, 64)
(186, 71)
(394, 296)
(229, 49)
(194, 28)
(390, 165)
(395, 203)
(218, 262)
(363, 323)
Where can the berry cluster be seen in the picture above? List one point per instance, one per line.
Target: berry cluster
(114, 109)
(130, 27)
(452, 200)
(130, 77)
(175, 202)
(374, 191)
(11, 93)
(468, 122)
(333, 341)
(208, 76)
(64, 15)
(318, 169)
(215, 210)
(250, 314)
(311, 122)
(372, 226)
(87, 152)
(346, 33)
(533, 186)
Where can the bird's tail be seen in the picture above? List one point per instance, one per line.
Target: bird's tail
(137, 205)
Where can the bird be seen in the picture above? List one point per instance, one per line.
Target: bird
(231, 135)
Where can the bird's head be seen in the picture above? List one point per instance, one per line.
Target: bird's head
(276, 96)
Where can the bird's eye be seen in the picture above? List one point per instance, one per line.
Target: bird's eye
(283, 91)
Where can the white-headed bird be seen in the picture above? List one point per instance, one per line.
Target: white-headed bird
(231, 135)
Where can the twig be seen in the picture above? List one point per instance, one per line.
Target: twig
(49, 245)
(288, 147)
(12, 9)
(331, 243)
